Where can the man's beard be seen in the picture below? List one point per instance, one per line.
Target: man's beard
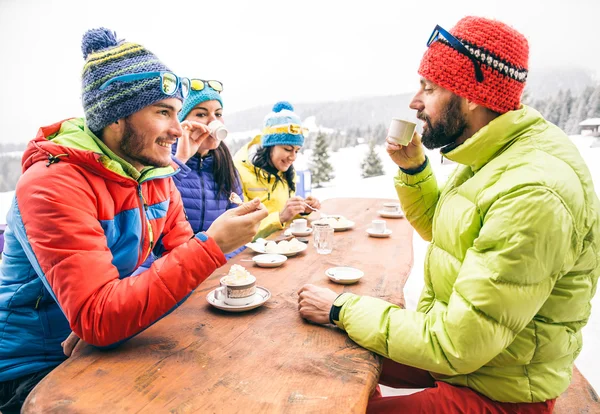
(133, 146)
(448, 129)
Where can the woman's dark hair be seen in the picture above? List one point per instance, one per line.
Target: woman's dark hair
(224, 172)
(264, 166)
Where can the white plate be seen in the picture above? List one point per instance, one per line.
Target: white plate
(290, 232)
(348, 225)
(260, 248)
(344, 275)
(373, 233)
(260, 297)
(388, 214)
(269, 260)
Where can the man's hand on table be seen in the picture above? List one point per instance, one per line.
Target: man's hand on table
(72, 342)
(314, 303)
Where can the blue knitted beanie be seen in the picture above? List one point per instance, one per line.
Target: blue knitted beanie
(282, 127)
(196, 97)
(106, 57)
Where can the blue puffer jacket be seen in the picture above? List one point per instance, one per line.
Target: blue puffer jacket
(200, 195)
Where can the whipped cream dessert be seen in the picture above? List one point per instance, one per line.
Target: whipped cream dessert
(238, 276)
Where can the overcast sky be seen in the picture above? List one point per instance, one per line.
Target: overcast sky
(263, 51)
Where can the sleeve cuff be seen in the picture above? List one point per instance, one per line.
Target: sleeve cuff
(202, 236)
(413, 171)
(414, 178)
(336, 308)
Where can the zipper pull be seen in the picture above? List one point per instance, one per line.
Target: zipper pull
(142, 197)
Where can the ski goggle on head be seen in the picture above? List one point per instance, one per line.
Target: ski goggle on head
(169, 82)
(200, 84)
(442, 35)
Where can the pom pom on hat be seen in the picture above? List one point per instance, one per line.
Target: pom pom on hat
(98, 39)
(281, 105)
(282, 126)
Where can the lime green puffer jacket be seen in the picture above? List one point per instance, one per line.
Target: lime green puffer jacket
(511, 269)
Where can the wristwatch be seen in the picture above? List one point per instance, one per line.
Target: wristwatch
(336, 308)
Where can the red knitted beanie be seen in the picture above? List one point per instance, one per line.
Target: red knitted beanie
(503, 55)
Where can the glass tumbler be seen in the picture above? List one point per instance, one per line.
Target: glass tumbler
(323, 238)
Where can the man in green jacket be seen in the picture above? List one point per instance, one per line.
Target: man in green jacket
(514, 256)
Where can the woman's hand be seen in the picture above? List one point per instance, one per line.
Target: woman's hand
(194, 133)
(313, 202)
(292, 208)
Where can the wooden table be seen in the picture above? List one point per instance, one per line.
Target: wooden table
(268, 360)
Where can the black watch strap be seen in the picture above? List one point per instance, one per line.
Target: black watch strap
(334, 312)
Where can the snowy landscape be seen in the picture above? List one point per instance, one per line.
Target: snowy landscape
(348, 182)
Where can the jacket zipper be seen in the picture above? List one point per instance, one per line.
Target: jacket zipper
(202, 214)
(144, 217)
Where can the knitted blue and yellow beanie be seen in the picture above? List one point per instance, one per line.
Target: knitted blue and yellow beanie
(282, 127)
(196, 97)
(106, 57)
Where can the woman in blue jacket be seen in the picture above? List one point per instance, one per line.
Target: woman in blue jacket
(208, 175)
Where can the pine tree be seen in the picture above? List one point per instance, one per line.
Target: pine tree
(579, 112)
(372, 165)
(320, 168)
(594, 104)
(565, 108)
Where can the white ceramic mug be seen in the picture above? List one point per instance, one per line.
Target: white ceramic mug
(298, 225)
(234, 293)
(378, 226)
(391, 207)
(218, 130)
(401, 131)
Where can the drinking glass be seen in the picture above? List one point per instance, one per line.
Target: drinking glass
(323, 238)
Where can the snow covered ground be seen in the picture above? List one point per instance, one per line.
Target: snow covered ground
(349, 183)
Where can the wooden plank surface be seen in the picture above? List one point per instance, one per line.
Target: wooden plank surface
(269, 360)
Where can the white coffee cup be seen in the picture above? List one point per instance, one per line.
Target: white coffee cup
(298, 225)
(218, 130)
(401, 131)
(378, 226)
(234, 293)
(391, 207)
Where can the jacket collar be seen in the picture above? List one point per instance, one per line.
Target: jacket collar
(73, 142)
(491, 140)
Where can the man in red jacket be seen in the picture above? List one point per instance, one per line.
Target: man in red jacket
(95, 199)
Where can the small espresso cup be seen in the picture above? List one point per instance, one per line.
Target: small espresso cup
(218, 130)
(401, 131)
(391, 207)
(378, 226)
(298, 225)
(234, 293)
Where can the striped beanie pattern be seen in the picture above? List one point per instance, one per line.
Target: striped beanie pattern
(502, 54)
(196, 97)
(106, 57)
(282, 127)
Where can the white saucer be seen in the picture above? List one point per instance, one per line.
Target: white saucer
(372, 233)
(260, 297)
(388, 214)
(269, 260)
(307, 232)
(344, 275)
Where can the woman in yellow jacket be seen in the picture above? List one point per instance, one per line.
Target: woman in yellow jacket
(266, 169)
